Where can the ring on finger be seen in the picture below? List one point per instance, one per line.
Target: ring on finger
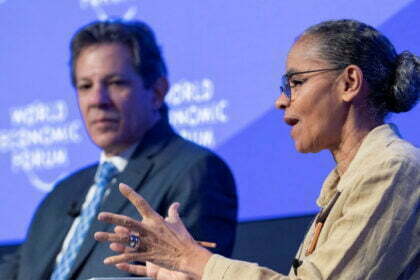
(134, 241)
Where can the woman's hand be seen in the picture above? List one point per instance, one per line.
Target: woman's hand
(165, 243)
(154, 271)
(150, 270)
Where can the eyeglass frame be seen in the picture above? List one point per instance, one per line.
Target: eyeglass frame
(285, 79)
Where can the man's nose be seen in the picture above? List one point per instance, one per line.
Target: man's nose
(100, 95)
(282, 102)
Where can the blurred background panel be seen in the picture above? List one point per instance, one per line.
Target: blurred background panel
(225, 60)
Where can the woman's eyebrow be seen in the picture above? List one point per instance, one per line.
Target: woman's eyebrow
(291, 71)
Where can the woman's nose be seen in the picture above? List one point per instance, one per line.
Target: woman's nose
(282, 102)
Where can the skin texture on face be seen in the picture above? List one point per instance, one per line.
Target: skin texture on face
(316, 111)
(116, 108)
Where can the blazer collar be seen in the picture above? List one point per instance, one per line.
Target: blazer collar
(371, 146)
(154, 140)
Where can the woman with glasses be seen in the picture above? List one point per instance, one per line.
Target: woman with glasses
(342, 80)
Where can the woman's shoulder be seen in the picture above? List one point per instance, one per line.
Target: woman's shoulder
(385, 147)
(401, 152)
(385, 161)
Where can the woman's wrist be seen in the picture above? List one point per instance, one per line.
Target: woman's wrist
(195, 261)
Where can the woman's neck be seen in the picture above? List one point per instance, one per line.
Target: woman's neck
(352, 137)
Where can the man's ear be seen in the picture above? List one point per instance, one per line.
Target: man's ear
(352, 83)
(160, 89)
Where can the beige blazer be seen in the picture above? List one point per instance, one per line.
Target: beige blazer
(373, 229)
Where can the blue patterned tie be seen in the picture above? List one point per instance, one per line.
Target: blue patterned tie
(104, 175)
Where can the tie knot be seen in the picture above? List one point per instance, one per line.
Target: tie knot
(105, 173)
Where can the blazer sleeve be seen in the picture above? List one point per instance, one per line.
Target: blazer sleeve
(207, 194)
(376, 236)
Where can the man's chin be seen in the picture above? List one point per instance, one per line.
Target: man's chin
(112, 145)
(106, 143)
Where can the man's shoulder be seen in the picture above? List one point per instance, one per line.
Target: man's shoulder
(181, 149)
(76, 181)
(187, 146)
(87, 172)
(180, 157)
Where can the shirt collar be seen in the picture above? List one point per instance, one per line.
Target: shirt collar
(121, 160)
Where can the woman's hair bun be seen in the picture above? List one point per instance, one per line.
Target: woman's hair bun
(405, 87)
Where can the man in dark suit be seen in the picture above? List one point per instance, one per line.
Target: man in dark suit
(120, 77)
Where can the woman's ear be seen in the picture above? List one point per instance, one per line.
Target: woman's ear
(352, 83)
(160, 89)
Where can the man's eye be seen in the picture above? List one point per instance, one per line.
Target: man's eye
(82, 87)
(118, 83)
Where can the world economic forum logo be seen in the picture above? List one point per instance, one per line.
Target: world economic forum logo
(126, 9)
(195, 110)
(38, 138)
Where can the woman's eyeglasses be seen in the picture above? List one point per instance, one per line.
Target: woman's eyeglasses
(285, 79)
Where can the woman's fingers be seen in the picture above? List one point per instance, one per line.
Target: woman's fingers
(119, 241)
(112, 237)
(152, 270)
(126, 258)
(120, 220)
(122, 230)
(165, 242)
(173, 215)
(161, 273)
(118, 247)
(132, 268)
(139, 202)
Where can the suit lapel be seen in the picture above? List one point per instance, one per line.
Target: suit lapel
(135, 173)
(55, 236)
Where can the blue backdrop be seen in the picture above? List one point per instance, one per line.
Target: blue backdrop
(225, 60)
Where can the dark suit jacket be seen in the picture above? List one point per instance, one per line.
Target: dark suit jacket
(164, 168)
